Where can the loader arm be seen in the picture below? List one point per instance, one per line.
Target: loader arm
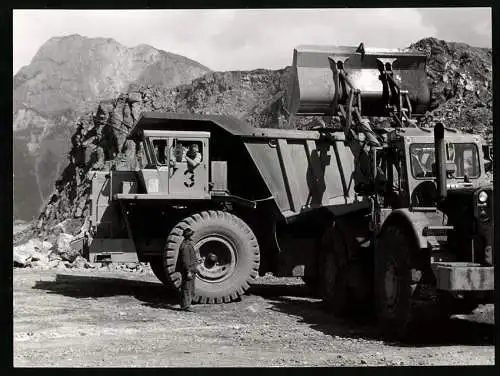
(354, 84)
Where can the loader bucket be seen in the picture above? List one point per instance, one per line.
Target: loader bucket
(312, 88)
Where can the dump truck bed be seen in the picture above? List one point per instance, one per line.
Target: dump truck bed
(299, 170)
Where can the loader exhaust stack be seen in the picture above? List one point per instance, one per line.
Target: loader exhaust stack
(439, 150)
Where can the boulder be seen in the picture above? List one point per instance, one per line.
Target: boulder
(33, 249)
(61, 265)
(41, 258)
(21, 257)
(47, 246)
(53, 255)
(53, 263)
(69, 226)
(134, 97)
(70, 255)
(63, 242)
(64, 249)
(80, 263)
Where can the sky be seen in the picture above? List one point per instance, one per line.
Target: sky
(249, 39)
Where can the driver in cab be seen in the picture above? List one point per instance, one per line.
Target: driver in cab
(191, 155)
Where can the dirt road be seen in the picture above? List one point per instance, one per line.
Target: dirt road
(95, 318)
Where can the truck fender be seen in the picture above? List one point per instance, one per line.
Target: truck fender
(415, 222)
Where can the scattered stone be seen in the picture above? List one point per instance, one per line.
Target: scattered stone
(80, 263)
(53, 263)
(54, 256)
(39, 257)
(61, 265)
(24, 253)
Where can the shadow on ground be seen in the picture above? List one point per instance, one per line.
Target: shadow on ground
(81, 286)
(271, 290)
(456, 331)
(290, 299)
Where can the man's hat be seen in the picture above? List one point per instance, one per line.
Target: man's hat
(187, 232)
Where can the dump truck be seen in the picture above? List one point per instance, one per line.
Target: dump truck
(391, 215)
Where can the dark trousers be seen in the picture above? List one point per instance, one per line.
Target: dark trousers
(187, 292)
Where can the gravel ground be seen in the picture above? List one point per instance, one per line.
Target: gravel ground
(95, 318)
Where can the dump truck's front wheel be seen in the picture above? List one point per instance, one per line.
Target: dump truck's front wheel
(229, 252)
(398, 273)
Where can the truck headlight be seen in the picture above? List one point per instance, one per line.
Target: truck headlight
(483, 197)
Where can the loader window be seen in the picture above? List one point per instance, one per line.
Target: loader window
(464, 155)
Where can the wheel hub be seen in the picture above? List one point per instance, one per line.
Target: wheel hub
(218, 258)
(211, 260)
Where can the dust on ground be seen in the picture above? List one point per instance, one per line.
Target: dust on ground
(93, 318)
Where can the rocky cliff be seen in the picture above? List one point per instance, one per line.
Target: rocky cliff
(68, 77)
(460, 78)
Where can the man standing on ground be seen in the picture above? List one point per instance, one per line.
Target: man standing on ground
(189, 260)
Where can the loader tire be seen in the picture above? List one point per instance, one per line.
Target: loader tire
(313, 285)
(397, 276)
(334, 272)
(230, 254)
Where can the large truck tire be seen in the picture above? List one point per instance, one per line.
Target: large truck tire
(399, 270)
(158, 269)
(230, 254)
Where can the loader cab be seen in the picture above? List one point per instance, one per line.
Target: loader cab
(412, 166)
(177, 163)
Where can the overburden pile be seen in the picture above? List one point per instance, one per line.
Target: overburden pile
(461, 83)
(460, 77)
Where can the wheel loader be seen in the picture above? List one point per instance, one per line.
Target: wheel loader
(381, 216)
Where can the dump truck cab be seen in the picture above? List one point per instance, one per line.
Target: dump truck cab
(177, 163)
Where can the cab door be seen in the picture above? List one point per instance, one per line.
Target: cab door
(184, 179)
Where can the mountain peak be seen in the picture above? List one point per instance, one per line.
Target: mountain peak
(74, 71)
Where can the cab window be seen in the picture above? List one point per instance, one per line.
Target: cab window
(464, 155)
(160, 151)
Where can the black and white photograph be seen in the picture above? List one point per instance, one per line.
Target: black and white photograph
(253, 187)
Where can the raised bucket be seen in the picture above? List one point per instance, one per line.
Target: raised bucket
(312, 89)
